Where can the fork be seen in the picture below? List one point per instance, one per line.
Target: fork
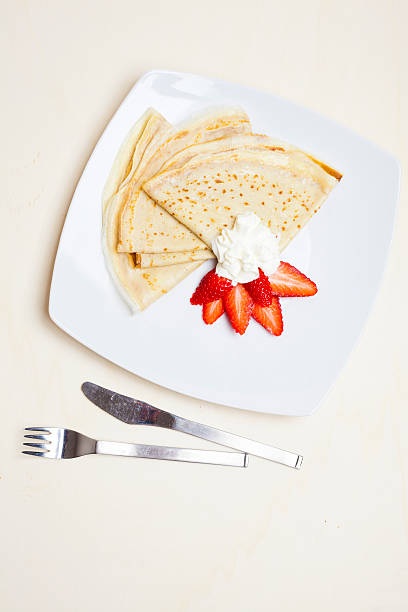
(60, 443)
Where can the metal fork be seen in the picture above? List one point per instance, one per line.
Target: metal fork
(59, 443)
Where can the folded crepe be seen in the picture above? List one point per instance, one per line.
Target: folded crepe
(148, 228)
(173, 217)
(152, 260)
(138, 287)
(134, 153)
(227, 143)
(283, 186)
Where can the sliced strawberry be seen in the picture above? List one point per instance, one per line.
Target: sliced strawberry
(270, 317)
(212, 311)
(238, 304)
(260, 289)
(210, 288)
(287, 281)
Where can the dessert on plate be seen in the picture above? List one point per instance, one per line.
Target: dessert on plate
(210, 189)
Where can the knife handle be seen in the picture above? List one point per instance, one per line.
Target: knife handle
(230, 440)
(168, 453)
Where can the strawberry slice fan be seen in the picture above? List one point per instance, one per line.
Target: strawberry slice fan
(258, 299)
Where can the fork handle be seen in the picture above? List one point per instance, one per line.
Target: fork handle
(169, 453)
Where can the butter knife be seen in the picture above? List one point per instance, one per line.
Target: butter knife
(136, 412)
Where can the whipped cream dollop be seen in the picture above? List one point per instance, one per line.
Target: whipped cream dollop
(249, 245)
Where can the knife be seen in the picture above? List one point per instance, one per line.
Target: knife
(136, 412)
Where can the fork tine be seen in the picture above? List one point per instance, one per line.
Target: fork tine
(33, 453)
(44, 429)
(38, 437)
(36, 445)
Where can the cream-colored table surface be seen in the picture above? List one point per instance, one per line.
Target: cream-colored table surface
(106, 534)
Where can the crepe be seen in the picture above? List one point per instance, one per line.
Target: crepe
(147, 228)
(283, 187)
(139, 288)
(227, 143)
(152, 260)
(134, 153)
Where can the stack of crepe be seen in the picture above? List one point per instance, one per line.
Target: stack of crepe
(171, 191)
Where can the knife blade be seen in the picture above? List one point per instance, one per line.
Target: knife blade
(136, 412)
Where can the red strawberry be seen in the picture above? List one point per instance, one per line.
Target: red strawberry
(260, 289)
(210, 288)
(270, 317)
(287, 281)
(238, 304)
(212, 311)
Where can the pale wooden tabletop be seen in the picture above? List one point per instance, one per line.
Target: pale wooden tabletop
(103, 534)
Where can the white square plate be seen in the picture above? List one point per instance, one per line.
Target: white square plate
(343, 249)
